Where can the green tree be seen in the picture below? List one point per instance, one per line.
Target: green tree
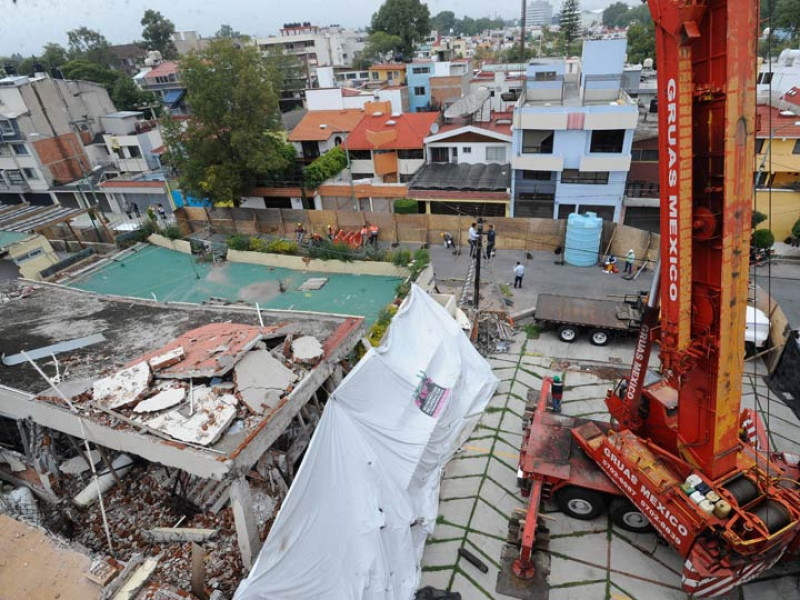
(226, 31)
(380, 44)
(123, 92)
(86, 70)
(53, 55)
(787, 16)
(126, 95)
(88, 44)
(616, 15)
(639, 14)
(641, 42)
(157, 33)
(407, 19)
(232, 138)
(570, 22)
(444, 21)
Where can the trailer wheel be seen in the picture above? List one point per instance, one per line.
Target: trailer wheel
(598, 337)
(568, 333)
(625, 516)
(580, 503)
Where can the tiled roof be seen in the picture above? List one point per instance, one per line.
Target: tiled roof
(350, 92)
(320, 125)
(769, 119)
(387, 132)
(792, 96)
(388, 67)
(165, 69)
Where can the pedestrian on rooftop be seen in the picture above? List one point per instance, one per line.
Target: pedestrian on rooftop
(491, 236)
(473, 239)
(519, 272)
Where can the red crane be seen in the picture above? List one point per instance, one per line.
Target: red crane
(674, 458)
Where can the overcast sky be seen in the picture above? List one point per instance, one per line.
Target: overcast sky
(26, 25)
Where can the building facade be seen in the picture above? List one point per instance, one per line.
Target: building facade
(538, 12)
(572, 136)
(165, 82)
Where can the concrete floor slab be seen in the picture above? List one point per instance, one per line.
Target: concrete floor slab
(439, 554)
(638, 589)
(457, 512)
(488, 519)
(591, 591)
(591, 548)
(565, 571)
(465, 466)
(491, 420)
(462, 487)
(438, 579)
(629, 559)
(444, 531)
(561, 525)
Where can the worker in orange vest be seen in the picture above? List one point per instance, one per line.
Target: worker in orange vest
(373, 234)
(364, 234)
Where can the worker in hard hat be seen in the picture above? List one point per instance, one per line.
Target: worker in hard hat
(556, 393)
(629, 258)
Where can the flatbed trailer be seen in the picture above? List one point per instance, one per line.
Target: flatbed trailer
(602, 319)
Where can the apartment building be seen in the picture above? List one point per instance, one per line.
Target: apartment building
(433, 83)
(164, 81)
(321, 130)
(538, 12)
(572, 135)
(131, 141)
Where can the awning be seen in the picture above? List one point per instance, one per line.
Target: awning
(173, 97)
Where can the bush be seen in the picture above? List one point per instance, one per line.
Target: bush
(386, 314)
(763, 238)
(406, 206)
(422, 256)
(172, 232)
(401, 257)
(255, 244)
(402, 289)
(757, 218)
(238, 242)
(796, 229)
(328, 250)
(376, 254)
(323, 168)
(281, 246)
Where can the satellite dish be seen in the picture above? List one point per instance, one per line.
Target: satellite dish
(434, 128)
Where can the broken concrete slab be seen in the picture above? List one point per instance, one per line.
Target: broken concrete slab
(105, 481)
(210, 351)
(123, 387)
(306, 349)
(167, 359)
(15, 460)
(262, 380)
(137, 579)
(313, 283)
(212, 416)
(78, 464)
(162, 400)
(161, 535)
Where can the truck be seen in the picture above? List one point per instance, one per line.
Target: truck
(605, 319)
(677, 454)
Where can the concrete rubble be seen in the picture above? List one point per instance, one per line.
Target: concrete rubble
(314, 283)
(123, 387)
(202, 422)
(262, 380)
(166, 398)
(306, 349)
(78, 464)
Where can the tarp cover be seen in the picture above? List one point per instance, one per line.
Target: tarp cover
(354, 523)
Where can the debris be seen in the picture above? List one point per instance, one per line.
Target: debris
(101, 572)
(162, 400)
(474, 560)
(78, 464)
(161, 535)
(212, 415)
(122, 464)
(314, 283)
(137, 579)
(21, 504)
(14, 460)
(306, 349)
(167, 359)
(123, 387)
(262, 380)
(47, 351)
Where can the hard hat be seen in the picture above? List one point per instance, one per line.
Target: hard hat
(557, 379)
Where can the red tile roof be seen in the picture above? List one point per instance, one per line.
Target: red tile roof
(310, 129)
(350, 92)
(388, 67)
(387, 132)
(165, 69)
(792, 96)
(769, 119)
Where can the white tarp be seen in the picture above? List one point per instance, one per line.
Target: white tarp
(354, 523)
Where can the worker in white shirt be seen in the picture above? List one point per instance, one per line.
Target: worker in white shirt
(473, 239)
(519, 271)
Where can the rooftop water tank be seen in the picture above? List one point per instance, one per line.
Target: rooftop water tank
(583, 239)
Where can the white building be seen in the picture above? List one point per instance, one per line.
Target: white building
(779, 77)
(538, 12)
(130, 141)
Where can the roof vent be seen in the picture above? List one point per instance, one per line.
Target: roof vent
(323, 126)
(396, 115)
(377, 113)
(787, 113)
(391, 122)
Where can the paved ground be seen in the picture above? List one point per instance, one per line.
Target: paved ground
(590, 560)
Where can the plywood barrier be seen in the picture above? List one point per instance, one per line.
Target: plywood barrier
(300, 263)
(179, 245)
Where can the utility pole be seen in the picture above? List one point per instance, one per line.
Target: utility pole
(478, 252)
(522, 33)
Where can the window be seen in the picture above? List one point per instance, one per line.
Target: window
(414, 154)
(440, 155)
(796, 149)
(607, 140)
(545, 76)
(537, 175)
(584, 177)
(360, 155)
(6, 127)
(764, 78)
(363, 175)
(20, 149)
(537, 141)
(374, 76)
(649, 155)
(29, 255)
(406, 177)
(337, 141)
(759, 146)
(467, 150)
(497, 153)
(762, 179)
(420, 70)
(30, 173)
(134, 152)
(419, 91)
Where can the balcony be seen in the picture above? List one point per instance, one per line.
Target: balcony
(13, 181)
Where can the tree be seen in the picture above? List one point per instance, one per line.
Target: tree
(53, 55)
(407, 19)
(157, 33)
(226, 31)
(232, 139)
(787, 16)
(639, 14)
(570, 22)
(86, 70)
(615, 15)
(641, 42)
(126, 95)
(380, 44)
(88, 44)
(444, 21)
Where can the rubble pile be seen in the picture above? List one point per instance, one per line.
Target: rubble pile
(495, 332)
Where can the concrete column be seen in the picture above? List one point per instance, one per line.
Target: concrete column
(246, 530)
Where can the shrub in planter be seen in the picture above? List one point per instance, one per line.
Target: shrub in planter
(279, 246)
(406, 206)
(255, 244)
(763, 238)
(401, 257)
(172, 232)
(328, 250)
(238, 242)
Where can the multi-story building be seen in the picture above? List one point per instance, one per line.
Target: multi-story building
(164, 80)
(387, 74)
(538, 12)
(572, 135)
(778, 77)
(471, 141)
(189, 41)
(321, 130)
(131, 140)
(50, 135)
(389, 148)
(128, 58)
(504, 85)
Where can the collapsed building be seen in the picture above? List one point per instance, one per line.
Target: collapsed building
(194, 419)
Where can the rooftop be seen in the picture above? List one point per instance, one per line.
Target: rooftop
(320, 125)
(388, 67)
(27, 218)
(382, 131)
(165, 69)
(463, 177)
(782, 124)
(500, 122)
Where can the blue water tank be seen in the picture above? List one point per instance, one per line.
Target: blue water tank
(583, 239)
